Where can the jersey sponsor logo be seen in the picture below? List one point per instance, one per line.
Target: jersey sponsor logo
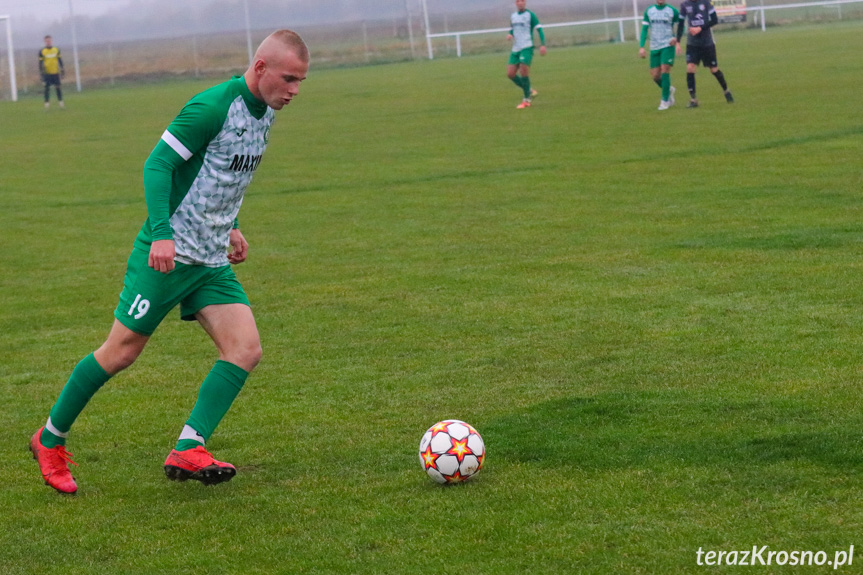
(245, 163)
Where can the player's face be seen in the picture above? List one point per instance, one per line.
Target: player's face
(521, 5)
(280, 79)
(48, 41)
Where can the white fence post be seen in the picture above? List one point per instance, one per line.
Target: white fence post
(428, 32)
(13, 87)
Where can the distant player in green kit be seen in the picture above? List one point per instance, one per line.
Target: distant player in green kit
(659, 20)
(524, 22)
(194, 181)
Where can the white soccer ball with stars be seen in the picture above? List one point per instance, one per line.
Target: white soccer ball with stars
(452, 451)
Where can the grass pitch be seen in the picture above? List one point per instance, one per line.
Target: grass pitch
(653, 318)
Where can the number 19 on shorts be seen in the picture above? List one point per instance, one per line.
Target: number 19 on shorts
(141, 306)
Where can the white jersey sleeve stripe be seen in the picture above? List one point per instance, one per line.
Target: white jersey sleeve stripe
(176, 145)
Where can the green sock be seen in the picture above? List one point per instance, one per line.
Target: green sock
(525, 83)
(217, 393)
(666, 87)
(86, 379)
(517, 81)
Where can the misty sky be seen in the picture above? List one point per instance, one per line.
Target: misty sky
(116, 20)
(41, 9)
(37, 8)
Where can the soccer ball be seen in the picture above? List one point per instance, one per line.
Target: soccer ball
(451, 451)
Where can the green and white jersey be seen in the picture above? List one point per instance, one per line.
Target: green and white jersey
(523, 25)
(195, 178)
(660, 20)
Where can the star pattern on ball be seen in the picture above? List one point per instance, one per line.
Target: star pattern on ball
(429, 457)
(459, 448)
(455, 477)
(451, 451)
(441, 426)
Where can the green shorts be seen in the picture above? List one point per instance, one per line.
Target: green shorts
(148, 295)
(662, 56)
(521, 57)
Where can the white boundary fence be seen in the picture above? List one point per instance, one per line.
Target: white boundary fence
(758, 10)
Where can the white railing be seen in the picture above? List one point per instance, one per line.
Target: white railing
(758, 10)
(837, 3)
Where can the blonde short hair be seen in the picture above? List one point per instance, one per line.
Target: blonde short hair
(292, 40)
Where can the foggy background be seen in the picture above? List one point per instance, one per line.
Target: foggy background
(111, 20)
(123, 41)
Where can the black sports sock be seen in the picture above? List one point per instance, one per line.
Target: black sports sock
(658, 82)
(690, 83)
(720, 77)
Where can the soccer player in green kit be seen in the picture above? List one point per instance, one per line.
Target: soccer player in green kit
(194, 181)
(659, 20)
(523, 22)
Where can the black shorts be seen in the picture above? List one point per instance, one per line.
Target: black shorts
(701, 54)
(51, 79)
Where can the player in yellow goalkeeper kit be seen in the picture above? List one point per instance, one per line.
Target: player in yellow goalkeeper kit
(51, 68)
(194, 183)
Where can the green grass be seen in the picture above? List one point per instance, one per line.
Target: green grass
(652, 318)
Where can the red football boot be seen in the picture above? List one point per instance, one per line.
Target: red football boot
(199, 465)
(54, 464)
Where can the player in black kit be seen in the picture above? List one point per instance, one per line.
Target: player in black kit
(700, 48)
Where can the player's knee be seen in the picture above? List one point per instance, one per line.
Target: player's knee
(510, 74)
(126, 358)
(714, 71)
(255, 354)
(117, 358)
(246, 355)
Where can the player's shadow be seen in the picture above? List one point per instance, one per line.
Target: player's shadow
(662, 429)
